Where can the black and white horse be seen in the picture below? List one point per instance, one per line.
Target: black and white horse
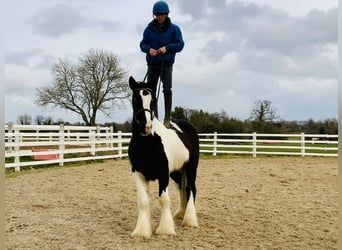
(157, 153)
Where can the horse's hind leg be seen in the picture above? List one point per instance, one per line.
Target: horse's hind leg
(180, 178)
(143, 227)
(190, 216)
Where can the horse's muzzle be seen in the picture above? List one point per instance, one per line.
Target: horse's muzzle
(148, 129)
(145, 129)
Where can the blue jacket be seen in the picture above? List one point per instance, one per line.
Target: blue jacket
(156, 36)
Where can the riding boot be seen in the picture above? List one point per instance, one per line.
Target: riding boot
(167, 105)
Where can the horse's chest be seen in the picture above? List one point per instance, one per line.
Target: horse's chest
(157, 153)
(176, 152)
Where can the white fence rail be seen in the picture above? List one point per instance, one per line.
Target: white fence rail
(30, 145)
(270, 144)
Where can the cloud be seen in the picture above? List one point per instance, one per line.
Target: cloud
(261, 26)
(57, 20)
(288, 34)
(264, 39)
(23, 80)
(63, 19)
(249, 52)
(21, 57)
(32, 58)
(235, 53)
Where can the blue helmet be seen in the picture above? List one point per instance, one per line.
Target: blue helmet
(160, 7)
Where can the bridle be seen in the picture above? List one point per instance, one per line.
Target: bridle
(140, 111)
(144, 109)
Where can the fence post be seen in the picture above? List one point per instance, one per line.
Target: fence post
(254, 144)
(10, 138)
(302, 142)
(110, 137)
(61, 146)
(215, 144)
(97, 137)
(120, 143)
(93, 141)
(17, 150)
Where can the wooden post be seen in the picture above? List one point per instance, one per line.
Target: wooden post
(61, 145)
(17, 150)
(302, 142)
(120, 143)
(111, 137)
(92, 142)
(254, 144)
(10, 137)
(215, 144)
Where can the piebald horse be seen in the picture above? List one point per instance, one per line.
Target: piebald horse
(158, 153)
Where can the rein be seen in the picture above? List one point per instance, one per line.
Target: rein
(158, 83)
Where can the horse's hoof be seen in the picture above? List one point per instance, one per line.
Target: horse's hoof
(179, 215)
(165, 231)
(140, 234)
(192, 222)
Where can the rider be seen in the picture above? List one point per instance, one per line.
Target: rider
(161, 41)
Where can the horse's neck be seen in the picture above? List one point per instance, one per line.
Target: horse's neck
(156, 126)
(135, 127)
(156, 122)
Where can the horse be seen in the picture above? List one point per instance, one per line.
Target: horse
(157, 152)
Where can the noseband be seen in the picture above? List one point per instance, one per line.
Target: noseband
(140, 111)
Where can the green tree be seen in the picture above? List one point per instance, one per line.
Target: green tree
(179, 113)
(95, 83)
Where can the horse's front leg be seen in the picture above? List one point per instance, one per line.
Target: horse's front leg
(143, 227)
(166, 225)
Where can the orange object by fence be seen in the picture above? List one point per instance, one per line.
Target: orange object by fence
(45, 156)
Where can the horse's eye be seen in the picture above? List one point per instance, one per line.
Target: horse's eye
(146, 92)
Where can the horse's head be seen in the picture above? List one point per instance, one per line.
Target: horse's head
(143, 101)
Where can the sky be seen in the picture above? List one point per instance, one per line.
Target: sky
(236, 52)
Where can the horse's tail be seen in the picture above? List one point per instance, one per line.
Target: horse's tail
(183, 188)
(188, 185)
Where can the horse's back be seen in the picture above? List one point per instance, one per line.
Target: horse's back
(187, 132)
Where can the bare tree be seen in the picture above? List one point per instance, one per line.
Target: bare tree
(48, 120)
(96, 83)
(61, 121)
(24, 119)
(39, 120)
(263, 111)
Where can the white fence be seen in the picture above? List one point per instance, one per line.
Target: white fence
(270, 144)
(26, 145)
(30, 145)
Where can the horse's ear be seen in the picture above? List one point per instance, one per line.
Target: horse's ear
(132, 82)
